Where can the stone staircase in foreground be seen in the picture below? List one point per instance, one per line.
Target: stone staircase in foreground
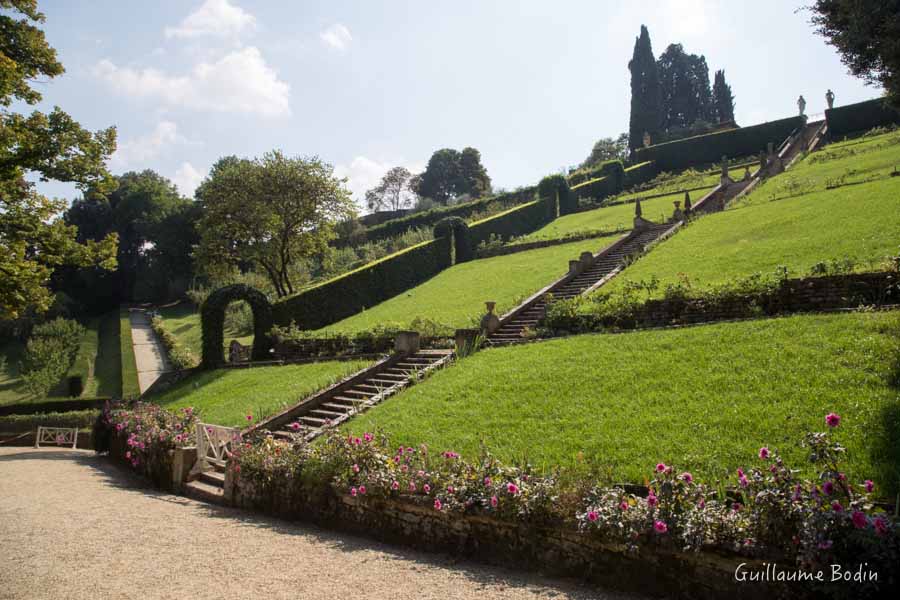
(584, 276)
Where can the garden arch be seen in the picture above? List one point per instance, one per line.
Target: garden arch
(212, 322)
(457, 231)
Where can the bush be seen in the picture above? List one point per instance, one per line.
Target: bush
(707, 149)
(861, 116)
(640, 173)
(613, 168)
(49, 353)
(179, 355)
(83, 419)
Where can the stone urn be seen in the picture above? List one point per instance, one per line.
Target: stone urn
(490, 322)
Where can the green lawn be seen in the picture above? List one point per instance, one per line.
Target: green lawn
(612, 217)
(457, 295)
(702, 398)
(227, 396)
(183, 321)
(11, 391)
(129, 386)
(107, 379)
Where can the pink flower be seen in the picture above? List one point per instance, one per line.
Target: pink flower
(421, 473)
(357, 441)
(687, 477)
(412, 486)
(353, 491)
(512, 488)
(249, 417)
(660, 467)
(450, 489)
(832, 419)
(740, 472)
(368, 437)
(592, 516)
(355, 468)
(487, 481)
(494, 501)
(437, 504)
(859, 519)
(828, 488)
(869, 485)
(743, 481)
(395, 485)
(737, 506)
(651, 499)
(763, 453)
(702, 503)
(295, 426)
(362, 489)
(836, 506)
(660, 527)
(410, 450)
(623, 505)
(426, 488)
(881, 526)
(397, 459)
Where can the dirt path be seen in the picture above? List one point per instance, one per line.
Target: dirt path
(73, 525)
(149, 354)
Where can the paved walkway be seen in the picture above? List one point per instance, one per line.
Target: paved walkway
(149, 353)
(72, 525)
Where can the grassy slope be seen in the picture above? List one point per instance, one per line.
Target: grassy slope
(457, 295)
(703, 398)
(859, 221)
(107, 380)
(11, 391)
(227, 396)
(129, 378)
(183, 321)
(612, 217)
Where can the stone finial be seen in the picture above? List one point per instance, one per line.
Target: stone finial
(586, 258)
(490, 322)
(687, 203)
(637, 208)
(746, 173)
(677, 214)
(407, 342)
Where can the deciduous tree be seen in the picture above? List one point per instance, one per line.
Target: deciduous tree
(393, 193)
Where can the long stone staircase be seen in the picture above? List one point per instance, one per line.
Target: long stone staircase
(582, 278)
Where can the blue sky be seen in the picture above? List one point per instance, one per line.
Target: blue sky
(368, 85)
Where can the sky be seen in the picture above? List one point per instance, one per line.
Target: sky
(369, 85)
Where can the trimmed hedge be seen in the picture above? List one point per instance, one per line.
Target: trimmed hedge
(52, 406)
(180, 356)
(363, 288)
(706, 149)
(604, 169)
(554, 191)
(597, 189)
(430, 218)
(456, 228)
(861, 116)
(212, 322)
(640, 173)
(517, 221)
(83, 419)
(130, 386)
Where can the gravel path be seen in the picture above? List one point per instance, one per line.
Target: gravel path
(149, 354)
(73, 525)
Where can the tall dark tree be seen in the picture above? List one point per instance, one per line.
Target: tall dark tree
(473, 177)
(867, 35)
(684, 88)
(645, 92)
(723, 99)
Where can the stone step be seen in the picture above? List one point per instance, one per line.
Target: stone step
(371, 386)
(324, 413)
(410, 366)
(203, 491)
(312, 421)
(388, 375)
(385, 382)
(214, 478)
(336, 407)
(345, 400)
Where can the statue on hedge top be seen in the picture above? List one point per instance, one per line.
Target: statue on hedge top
(801, 104)
(829, 98)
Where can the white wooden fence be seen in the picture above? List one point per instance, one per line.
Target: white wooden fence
(59, 436)
(214, 444)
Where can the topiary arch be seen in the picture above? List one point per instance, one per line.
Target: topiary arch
(212, 321)
(456, 229)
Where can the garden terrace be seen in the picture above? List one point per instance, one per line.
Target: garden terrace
(456, 296)
(703, 398)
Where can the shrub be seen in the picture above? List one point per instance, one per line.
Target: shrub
(706, 149)
(613, 168)
(853, 118)
(49, 353)
(22, 423)
(640, 173)
(179, 355)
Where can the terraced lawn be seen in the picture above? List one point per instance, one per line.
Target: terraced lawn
(702, 398)
(227, 396)
(456, 296)
(183, 321)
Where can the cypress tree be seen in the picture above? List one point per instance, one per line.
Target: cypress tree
(645, 98)
(723, 100)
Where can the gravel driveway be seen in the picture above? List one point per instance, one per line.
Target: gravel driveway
(73, 525)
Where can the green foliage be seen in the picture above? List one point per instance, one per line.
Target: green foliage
(456, 228)
(706, 149)
(722, 99)
(34, 242)
(640, 173)
(685, 97)
(646, 110)
(180, 357)
(393, 192)
(614, 168)
(130, 387)
(606, 149)
(554, 191)
(49, 354)
(82, 371)
(514, 222)
(452, 174)
(212, 320)
(862, 116)
(83, 419)
(270, 212)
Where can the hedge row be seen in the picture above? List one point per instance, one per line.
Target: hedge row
(710, 148)
(430, 218)
(51, 406)
(83, 419)
(517, 221)
(130, 386)
(82, 369)
(861, 116)
(180, 356)
(604, 169)
(640, 173)
(363, 288)
(597, 189)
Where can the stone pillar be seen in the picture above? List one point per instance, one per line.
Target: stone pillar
(574, 267)
(465, 340)
(586, 259)
(407, 342)
(724, 179)
(490, 322)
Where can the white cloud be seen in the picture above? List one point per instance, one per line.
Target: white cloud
(187, 179)
(147, 147)
(218, 18)
(337, 36)
(364, 173)
(240, 81)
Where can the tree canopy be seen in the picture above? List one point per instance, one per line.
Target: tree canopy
(269, 213)
(645, 94)
(34, 240)
(451, 174)
(393, 192)
(722, 99)
(607, 149)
